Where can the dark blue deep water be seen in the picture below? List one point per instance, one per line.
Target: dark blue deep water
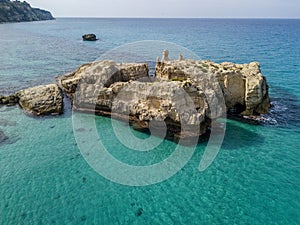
(255, 179)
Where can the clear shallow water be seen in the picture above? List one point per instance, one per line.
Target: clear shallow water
(253, 180)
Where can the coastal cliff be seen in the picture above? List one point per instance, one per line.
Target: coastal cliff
(16, 11)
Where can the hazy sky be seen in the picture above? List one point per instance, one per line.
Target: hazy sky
(172, 8)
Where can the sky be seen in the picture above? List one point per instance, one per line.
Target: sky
(172, 8)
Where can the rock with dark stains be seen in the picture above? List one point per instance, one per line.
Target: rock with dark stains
(41, 100)
(89, 37)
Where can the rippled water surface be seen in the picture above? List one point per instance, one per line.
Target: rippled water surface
(254, 179)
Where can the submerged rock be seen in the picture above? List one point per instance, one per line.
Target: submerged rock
(3, 137)
(41, 100)
(139, 212)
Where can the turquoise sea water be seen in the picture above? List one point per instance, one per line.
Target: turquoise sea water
(254, 179)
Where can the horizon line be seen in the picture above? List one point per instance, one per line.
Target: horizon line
(125, 17)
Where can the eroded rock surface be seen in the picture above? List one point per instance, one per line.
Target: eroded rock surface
(184, 93)
(9, 100)
(244, 87)
(41, 100)
(101, 74)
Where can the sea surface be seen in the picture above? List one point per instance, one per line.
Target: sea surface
(255, 178)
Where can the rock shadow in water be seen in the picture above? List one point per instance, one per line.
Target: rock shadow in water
(238, 137)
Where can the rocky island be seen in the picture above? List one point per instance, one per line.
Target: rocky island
(16, 11)
(89, 37)
(182, 91)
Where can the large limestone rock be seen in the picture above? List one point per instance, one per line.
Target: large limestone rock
(101, 74)
(185, 91)
(244, 88)
(122, 90)
(41, 100)
(175, 103)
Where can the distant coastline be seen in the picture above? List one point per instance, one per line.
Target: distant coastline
(16, 11)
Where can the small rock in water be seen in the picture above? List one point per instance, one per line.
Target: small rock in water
(89, 37)
(83, 218)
